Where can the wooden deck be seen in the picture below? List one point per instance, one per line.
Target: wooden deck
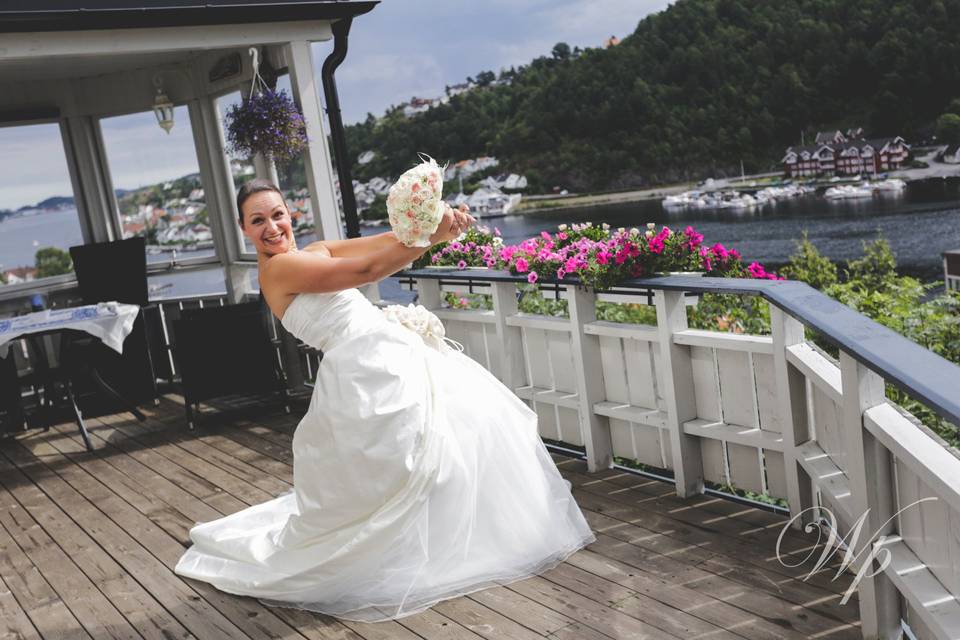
(88, 542)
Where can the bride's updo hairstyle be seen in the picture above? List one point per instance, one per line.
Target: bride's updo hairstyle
(251, 187)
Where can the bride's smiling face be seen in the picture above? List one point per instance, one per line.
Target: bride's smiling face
(266, 221)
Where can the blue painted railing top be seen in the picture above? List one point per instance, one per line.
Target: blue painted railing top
(925, 375)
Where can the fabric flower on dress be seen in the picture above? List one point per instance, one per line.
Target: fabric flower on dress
(421, 321)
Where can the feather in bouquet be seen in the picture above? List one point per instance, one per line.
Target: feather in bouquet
(415, 205)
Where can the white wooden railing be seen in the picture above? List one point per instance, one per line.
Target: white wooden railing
(770, 414)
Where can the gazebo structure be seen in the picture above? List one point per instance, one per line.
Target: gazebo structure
(655, 425)
(75, 66)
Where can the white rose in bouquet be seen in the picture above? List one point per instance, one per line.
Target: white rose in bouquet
(414, 204)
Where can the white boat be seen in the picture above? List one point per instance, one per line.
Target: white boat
(890, 185)
(848, 192)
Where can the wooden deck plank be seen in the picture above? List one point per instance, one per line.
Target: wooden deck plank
(757, 527)
(92, 610)
(309, 625)
(432, 625)
(14, 622)
(661, 568)
(682, 598)
(484, 621)
(636, 605)
(522, 610)
(135, 603)
(147, 552)
(752, 579)
(40, 602)
(588, 612)
(661, 548)
(687, 527)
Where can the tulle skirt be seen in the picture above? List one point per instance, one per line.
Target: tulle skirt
(418, 477)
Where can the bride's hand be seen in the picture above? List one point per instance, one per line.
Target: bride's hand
(453, 223)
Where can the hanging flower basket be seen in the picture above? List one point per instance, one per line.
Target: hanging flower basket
(268, 123)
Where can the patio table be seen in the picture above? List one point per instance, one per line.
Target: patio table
(110, 322)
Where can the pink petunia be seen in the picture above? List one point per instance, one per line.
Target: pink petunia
(522, 265)
(532, 277)
(462, 264)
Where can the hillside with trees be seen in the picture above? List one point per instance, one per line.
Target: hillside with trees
(692, 92)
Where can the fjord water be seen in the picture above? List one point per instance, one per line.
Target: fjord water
(920, 223)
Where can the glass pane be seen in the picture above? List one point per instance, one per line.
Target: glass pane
(158, 185)
(188, 283)
(38, 220)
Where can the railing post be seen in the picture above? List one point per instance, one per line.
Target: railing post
(870, 473)
(509, 339)
(428, 293)
(678, 392)
(792, 408)
(589, 373)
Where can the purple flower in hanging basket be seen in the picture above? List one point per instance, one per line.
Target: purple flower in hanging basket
(268, 123)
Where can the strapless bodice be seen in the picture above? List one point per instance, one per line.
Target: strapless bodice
(324, 320)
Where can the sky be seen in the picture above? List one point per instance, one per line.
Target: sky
(401, 49)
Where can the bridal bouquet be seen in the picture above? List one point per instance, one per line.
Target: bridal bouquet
(414, 204)
(421, 321)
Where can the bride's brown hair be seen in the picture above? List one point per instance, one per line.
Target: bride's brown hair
(251, 187)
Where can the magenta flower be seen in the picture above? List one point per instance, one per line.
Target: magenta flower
(603, 257)
(462, 264)
(756, 270)
(694, 239)
(522, 265)
(532, 277)
(561, 272)
(656, 245)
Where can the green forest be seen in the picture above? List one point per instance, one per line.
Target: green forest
(692, 92)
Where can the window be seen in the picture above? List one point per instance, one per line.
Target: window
(38, 219)
(157, 182)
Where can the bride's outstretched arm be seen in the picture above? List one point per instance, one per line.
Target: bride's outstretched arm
(353, 247)
(311, 272)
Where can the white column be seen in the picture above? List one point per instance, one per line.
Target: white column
(90, 178)
(678, 392)
(588, 368)
(870, 472)
(317, 161)
(509, 339)
(792, 408)
(219, 194)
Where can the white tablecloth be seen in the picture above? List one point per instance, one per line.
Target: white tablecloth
(112, 322)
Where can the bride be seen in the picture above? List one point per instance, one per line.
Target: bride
(417, 475)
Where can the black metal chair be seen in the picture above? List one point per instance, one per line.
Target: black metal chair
(226, 351)
(11, 408)
(117, 271)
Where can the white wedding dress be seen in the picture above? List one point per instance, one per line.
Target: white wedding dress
(417, 477)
